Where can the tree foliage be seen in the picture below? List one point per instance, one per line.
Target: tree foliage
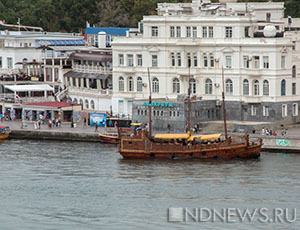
(71, 15)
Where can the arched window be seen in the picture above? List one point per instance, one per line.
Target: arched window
(208, 86)
(294, 73)
(130, 84)
(193, 85)
(121, 84)
(283, 88)
(139, 85)
(92, 104)
(81, 102)
(86, 102)
(176, 85)
(256, 88)
(245, 87)
(229, 86)
(266, 88)
(155, 85)
(75, 101)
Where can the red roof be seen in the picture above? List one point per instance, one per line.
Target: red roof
(55, 104)
(3, 127)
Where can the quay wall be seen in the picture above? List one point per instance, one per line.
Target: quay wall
(283, 144)
(57, 135)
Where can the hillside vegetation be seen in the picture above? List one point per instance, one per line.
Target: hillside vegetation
(71, 15)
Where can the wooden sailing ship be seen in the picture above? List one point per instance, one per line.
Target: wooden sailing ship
(187, 146)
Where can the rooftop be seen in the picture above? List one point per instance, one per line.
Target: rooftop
(108, 30)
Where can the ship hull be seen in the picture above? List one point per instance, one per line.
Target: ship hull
(4, 136)
(231, 152)
(108, 139)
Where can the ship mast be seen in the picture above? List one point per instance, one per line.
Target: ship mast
(150, 102)
(224, 109)
(189, 102)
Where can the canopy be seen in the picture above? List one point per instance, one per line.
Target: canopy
(172, 136)
(205, 137)
(27, 88)
(136, 124)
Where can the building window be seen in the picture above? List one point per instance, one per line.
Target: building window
(294, 71)
(204, 31)
(172, 59)
(130, 59)
(81, 102)
(284, 110)
(211, 32)
(188, 31)
(295, 109)
(193, 85)
(266, 88)
(208, 86)
(121, 84)
(155, 85)
(256, 62)
(282, 62)
(256, 88)
(178, 31)
(195, 59)
(229, 86)
(172, 31)
(205, 61)
(294, 89)
(195, 32)
(268, 17)
(294, 45)
(176, 85)
(130, 84)
(154, 61)
(212, 60)
(245, 87)
(283, 93)
(92, 104)
(246, 62)
(86, 102)
(266, 62)
(9, 63)
(228, 32)
(266, 110)
(154, 30)
(139, 85)
(253, 110)
(178, 59)
(139, 60)
(0, 62)
(228, 61)
(189, 61)
(121, 59)
(246, 31)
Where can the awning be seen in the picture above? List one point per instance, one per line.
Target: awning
(27, 88)
(172, 136)
(91, 57)
(205, 137)
(86, 75)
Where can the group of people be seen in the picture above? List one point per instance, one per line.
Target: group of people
(51, 123)
(268, 132)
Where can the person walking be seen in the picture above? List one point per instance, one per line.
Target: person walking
(84, 123)
(96, 127)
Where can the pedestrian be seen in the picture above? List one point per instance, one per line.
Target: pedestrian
(282, 132)
(263, 131)
(84, 123)
(110, 123)
(96, 127)
(49, 123)
(169, 127)
(1, 117)
(253, 130)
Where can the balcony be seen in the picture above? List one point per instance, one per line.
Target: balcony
(90, 91)
(10, 98)
(92, 69)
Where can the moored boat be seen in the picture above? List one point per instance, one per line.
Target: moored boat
(4, 132)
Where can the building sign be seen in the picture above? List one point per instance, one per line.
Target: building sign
(99, 118)
(282, 142)
(159, 104)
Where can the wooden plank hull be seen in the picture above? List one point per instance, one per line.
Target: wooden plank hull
(108, 139)
(4, 136)
(231, 152)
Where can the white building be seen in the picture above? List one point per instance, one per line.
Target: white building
(249, 40)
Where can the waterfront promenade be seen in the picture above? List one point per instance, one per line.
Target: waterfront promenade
(287, 143)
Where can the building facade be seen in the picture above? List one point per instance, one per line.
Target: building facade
(251, 44)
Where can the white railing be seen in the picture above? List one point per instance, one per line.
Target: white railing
(34, 99)
(92, 69)
(94, 91)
